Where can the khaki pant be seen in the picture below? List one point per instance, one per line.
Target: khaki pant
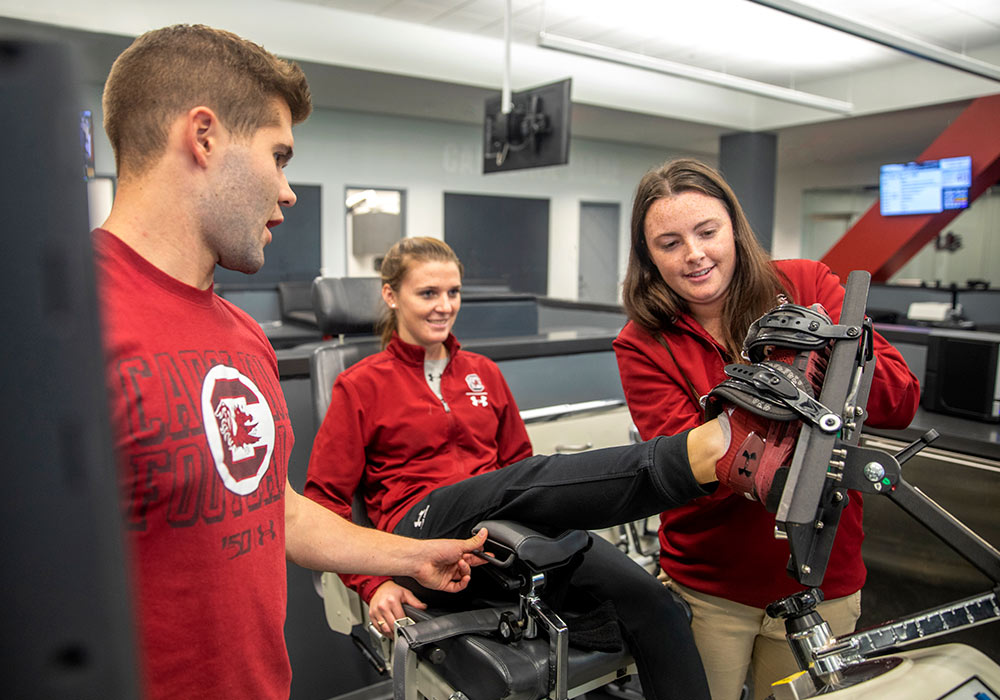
(732, 637)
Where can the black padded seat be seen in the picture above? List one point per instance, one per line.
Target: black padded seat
(484, 668)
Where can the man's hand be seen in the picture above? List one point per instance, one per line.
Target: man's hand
(447, 564)
(319, 539)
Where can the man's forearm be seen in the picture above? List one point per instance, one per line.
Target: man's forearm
(318, 539)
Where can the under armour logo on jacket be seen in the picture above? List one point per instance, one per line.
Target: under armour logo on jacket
(421, 517)
(479, 399)
(748, 458)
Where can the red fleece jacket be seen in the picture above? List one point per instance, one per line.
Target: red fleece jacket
(723, 544)
(389, 435)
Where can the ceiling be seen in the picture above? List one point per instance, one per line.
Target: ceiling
(732, 36)
(440, 59)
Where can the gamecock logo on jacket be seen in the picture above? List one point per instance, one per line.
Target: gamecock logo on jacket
(474, 382)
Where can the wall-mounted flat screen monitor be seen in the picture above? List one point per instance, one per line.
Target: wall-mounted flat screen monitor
(533, 134)
(925, 187)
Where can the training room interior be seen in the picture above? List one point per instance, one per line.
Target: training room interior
(798, 104)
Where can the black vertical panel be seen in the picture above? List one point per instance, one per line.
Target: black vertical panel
(748, 161)
(294, 251)
(501, 241)
(67, 628)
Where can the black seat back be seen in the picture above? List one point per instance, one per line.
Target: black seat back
(344, 306)
(295, 302)
(347, 305)
(328, 361)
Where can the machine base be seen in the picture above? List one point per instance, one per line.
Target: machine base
(945, 672)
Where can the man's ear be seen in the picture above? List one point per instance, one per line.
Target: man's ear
(202, 131)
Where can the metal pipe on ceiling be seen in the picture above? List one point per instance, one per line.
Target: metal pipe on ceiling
(681, 70)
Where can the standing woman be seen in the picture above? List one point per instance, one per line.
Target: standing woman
(696, 279)
(431, 437)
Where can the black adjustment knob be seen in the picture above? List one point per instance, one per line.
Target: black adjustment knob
(436, 655)
(509, 629)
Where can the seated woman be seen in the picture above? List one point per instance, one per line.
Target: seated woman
(696, 281)
(432, 437)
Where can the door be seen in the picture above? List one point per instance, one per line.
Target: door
(598, 278)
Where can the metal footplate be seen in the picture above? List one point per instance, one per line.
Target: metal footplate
(813, 498)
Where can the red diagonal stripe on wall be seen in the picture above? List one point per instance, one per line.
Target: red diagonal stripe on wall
(883, 244)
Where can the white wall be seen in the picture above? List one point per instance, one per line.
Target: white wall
(832, 212)
(338, 149)
(791, 182)
(977, 259)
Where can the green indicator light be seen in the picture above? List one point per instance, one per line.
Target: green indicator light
(886, 481)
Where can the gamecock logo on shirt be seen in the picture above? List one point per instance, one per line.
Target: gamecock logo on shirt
(239, 428)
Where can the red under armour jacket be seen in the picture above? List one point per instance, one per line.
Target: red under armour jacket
(723, 544)
(387, 433)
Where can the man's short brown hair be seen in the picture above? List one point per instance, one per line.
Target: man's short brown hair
(166, 72)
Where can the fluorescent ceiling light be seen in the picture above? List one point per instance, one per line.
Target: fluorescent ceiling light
(681, 70)
(886, 37)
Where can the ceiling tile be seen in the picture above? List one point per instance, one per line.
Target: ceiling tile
(754, 41)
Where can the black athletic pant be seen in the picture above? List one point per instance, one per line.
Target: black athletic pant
(592, 490)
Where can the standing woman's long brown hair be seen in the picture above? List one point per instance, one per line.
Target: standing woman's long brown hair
(652, 304)
(396, 264)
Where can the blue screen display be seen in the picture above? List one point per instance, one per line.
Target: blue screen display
(927, 187)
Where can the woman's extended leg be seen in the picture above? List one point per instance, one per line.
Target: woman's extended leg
(593, 490)
(552, 493)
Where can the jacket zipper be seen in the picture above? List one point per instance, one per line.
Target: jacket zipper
(447, 409)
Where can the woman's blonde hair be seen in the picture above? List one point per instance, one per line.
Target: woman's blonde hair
(398, 261)
(652, 304)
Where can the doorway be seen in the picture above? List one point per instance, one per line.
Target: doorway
(598, 274)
